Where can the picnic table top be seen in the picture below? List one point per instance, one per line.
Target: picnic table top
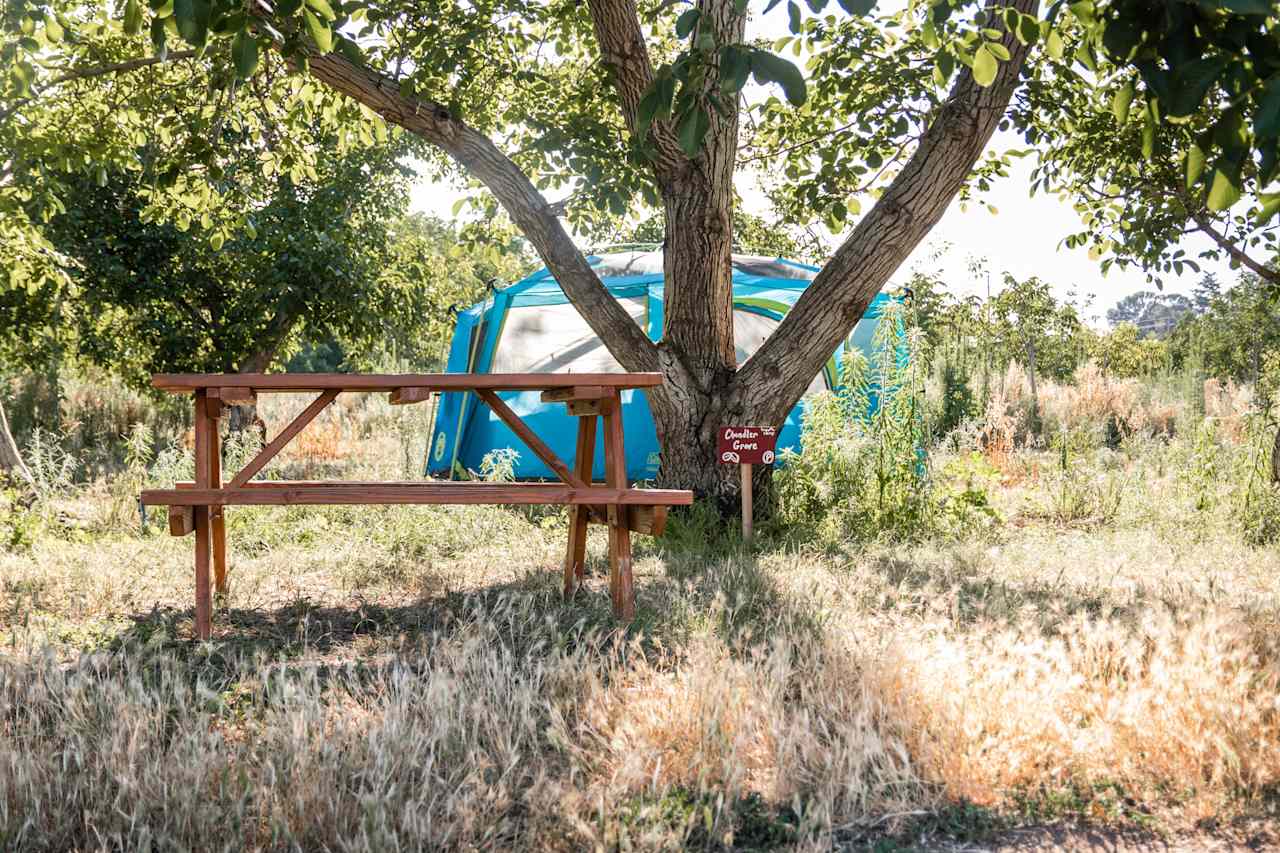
(186, 383)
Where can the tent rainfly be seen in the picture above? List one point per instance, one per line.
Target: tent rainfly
(531, 327)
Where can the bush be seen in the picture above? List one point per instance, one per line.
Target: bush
(863, 473)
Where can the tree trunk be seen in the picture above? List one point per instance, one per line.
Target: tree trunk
(10, 459)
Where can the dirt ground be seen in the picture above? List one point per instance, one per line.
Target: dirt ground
(1073, 838)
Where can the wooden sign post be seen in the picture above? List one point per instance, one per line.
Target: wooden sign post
(746, 446)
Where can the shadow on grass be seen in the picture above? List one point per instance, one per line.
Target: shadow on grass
(728, 596)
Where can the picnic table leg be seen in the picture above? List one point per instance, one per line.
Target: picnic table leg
(217, 521)
(621, 585)
(576, 558)
(206, 439)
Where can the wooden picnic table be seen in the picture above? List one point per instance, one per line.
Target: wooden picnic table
(197, 507)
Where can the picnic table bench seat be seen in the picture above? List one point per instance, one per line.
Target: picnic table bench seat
(196, 507)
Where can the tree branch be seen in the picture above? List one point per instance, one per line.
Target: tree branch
(515, 192)
(773, 379)
(625, 54)
(1204, 224)
(102, 71)
(121, 67)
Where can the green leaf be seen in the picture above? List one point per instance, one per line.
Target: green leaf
(1120, 102)
(192, 19)
(645, 111)
(1195, 164)
(159, 37)
(692, 129)
(1054, 45)
(793, 15)
(984, 66)
(1085, 56)
(216, 241)
(858, 8)
(132, 18)
(735, 65)
(1225, 190)
(999, 51)
(1270, 207)
(1266, 120)
(686, 22)
(323, 8)
(320, 32)
(1122, 37)
(768, 68)
(1028, 29)
(52, 29)
(1191, 82)
(244, 53)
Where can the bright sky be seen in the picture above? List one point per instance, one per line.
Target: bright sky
(1023, 238)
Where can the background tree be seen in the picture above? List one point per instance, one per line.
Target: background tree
(1034, 328)
(1230, 338)
(1151, 313)
(1126, 351)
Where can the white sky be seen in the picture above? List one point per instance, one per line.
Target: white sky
(1022, 238)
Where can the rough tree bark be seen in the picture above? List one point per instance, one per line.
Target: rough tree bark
(10, 459)
(704, 390)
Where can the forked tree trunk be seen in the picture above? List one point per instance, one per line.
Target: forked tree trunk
(10, 459)
(702, 390)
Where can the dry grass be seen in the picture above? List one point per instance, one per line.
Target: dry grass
(390, 678)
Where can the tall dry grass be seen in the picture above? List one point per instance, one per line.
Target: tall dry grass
(408, 678)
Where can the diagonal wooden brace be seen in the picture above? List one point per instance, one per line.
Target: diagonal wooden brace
(286, 435)
(539, 448)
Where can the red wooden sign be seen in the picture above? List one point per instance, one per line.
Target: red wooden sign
(746, 444)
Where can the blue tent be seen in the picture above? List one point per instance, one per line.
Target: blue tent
(530, 327)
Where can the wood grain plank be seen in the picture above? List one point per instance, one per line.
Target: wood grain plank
(217, 523)
(186, 383)
(405, 396)
(621, 583)
(537, 445)
(575, 561)
(278, 493)
(649, 520)
(232, 395)
(182, 520)
(286, 435)
(206, 431)
(576, 392)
